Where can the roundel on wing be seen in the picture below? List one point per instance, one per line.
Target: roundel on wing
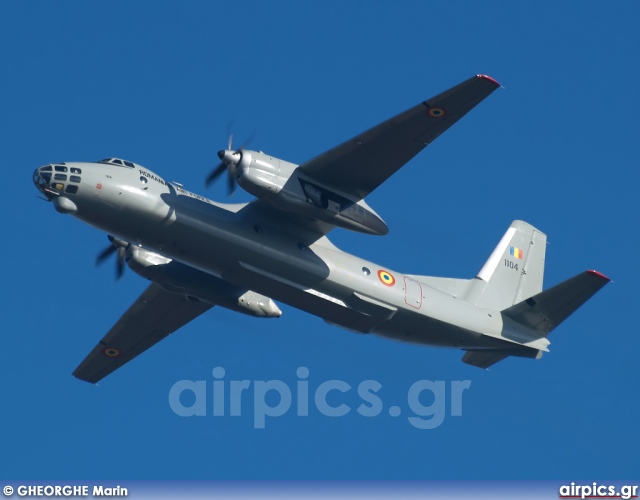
(111, 352)
(386, 277)
(436, 112)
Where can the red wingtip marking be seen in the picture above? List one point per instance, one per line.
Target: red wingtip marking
(490, 79)
(596, 273)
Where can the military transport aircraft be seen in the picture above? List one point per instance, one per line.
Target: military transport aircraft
(199, 253)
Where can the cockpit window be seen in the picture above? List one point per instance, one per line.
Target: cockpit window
(74, 178)
(118, 162)
(60, 177)
(42, 177)
(75, 170)
(60, 168)
(71, 188)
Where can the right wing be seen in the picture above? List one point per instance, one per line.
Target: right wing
(360, 165)
(154, 315)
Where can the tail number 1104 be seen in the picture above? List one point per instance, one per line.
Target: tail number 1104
(510, 265)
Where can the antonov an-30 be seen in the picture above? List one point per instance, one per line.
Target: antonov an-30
(199, 253)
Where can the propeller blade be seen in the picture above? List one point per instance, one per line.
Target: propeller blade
(247, 142)
(231, 180)
(215, 174)
(116, 246)
(120, 263)
(228, 155)
(102, 256)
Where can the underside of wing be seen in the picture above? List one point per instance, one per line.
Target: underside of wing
(154, 315)
(360, 165)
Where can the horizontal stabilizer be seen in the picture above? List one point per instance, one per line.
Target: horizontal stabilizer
(484, 359)
(488, 357)
(546, 310)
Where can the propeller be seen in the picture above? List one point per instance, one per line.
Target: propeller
(229, 160)
(120, 248)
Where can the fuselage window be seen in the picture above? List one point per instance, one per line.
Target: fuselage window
(71, 188)
(74, 178)
(60, 169)
(75, 170)
(60, 177)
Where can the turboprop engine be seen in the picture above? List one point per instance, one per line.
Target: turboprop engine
(179, 278)
(284, 186)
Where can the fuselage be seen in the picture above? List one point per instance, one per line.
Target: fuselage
(246, 246)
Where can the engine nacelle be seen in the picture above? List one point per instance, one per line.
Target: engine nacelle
(279, 183)
(175, 277)
(259, 174)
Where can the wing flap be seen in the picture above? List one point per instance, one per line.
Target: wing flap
(546, 310)
(153, 316)
(360, 165)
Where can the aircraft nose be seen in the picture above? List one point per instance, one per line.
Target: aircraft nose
(42, 178)
(58, 179)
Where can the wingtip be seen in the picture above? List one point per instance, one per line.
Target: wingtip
(82, 378)
(598, 274)
(492, 80)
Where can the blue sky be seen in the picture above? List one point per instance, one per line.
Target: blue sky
(158, 83)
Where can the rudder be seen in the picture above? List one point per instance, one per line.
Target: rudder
(514, 271)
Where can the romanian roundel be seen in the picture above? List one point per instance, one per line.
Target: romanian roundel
(386, 278)
(436, 112)
(111, 352)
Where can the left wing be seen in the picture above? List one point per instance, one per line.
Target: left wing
(154, 315)
(360, 165)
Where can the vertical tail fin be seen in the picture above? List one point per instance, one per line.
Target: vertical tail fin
(514, 270)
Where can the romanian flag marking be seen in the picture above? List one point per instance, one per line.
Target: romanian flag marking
(515, 252)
